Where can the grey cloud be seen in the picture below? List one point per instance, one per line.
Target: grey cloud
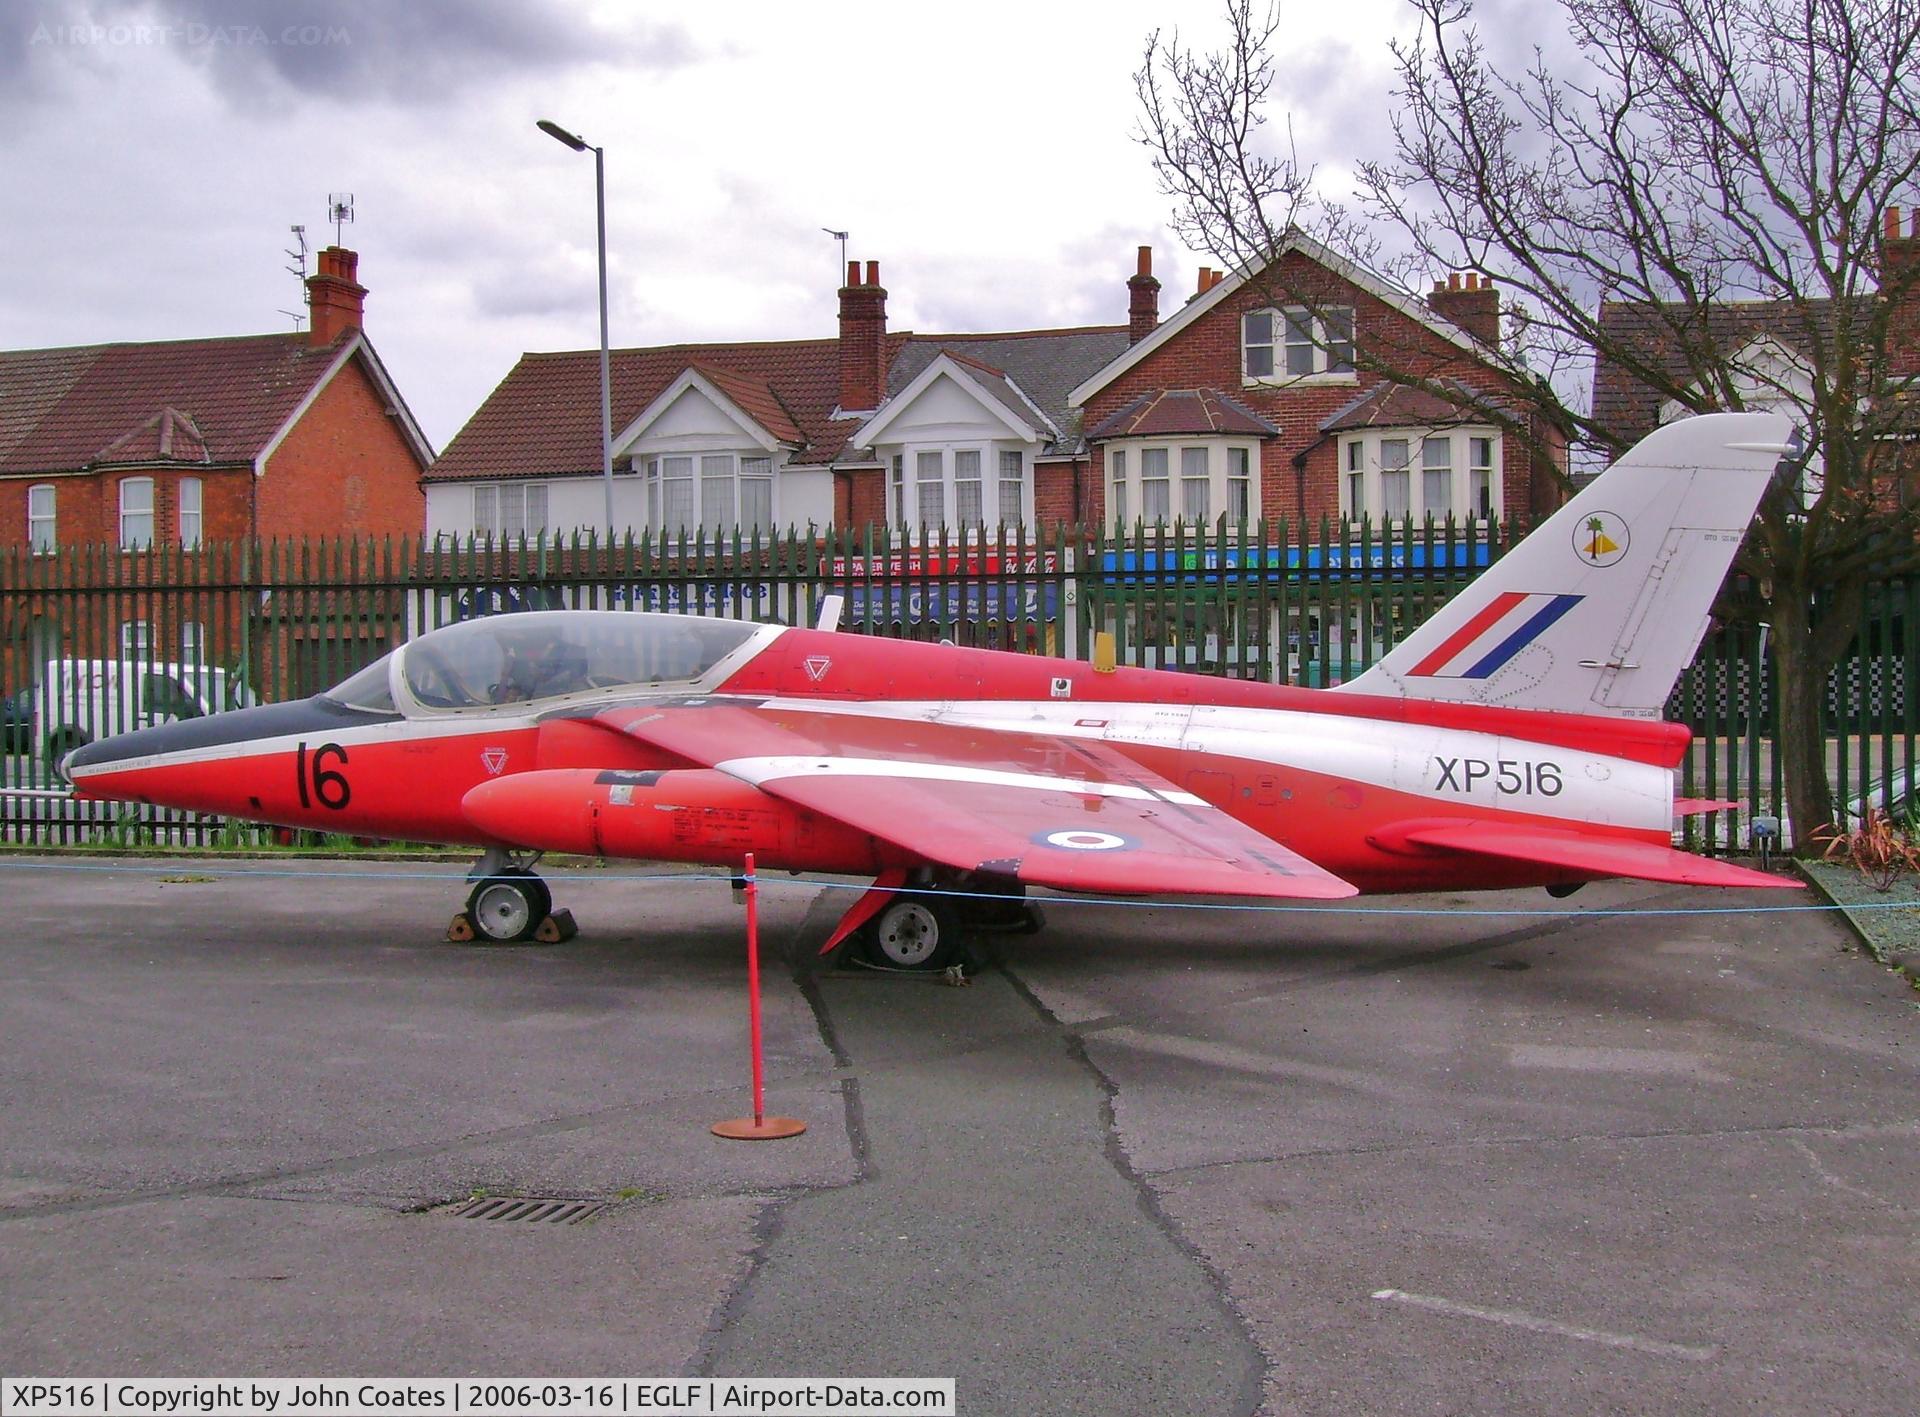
(421, 52)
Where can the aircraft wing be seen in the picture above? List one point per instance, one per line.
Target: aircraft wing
(1603, 856)
(1043, 809)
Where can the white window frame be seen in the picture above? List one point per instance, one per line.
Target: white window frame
(43, 524)
(1128, 484)
(193, 642)
(1320, 339)
(136, 640)
(191, 491)
(129, 539)
(491, 525)
(1360, 457)
(709, 483)
(993, 463)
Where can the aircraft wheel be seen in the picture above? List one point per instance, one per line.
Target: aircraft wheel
(914, 932)
(58, 746)
(509, 907)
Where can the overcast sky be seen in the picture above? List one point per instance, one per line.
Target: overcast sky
(155, 155)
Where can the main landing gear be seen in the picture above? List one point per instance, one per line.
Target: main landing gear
(923, 922)
(510, 904)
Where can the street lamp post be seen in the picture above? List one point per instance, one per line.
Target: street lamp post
(580, 145)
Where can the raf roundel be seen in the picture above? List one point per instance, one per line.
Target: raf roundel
(1080, 839)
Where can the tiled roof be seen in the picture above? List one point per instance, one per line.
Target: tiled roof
(1397, 406)
(1629, 407)
(755, 398)
(1000, 387)
(544, 418)
(1173, 411)
(1044, 364)
(206, 400)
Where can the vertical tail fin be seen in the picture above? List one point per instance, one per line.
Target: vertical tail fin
(1601, 607)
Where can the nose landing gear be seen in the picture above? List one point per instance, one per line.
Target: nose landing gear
(510, 904)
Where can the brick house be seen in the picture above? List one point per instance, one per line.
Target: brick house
(870, 426)
(1244, 404)
(1232, 406)
(167, 447)
(187, 441)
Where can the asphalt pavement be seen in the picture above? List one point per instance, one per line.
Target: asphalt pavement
(1150, 1160)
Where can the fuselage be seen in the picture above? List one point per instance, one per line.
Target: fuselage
(1335, 777)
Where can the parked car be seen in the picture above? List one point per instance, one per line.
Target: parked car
(80, 700)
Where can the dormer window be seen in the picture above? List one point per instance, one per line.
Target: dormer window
(1293, 343)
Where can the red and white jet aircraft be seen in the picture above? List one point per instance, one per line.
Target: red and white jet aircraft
(1513, 740)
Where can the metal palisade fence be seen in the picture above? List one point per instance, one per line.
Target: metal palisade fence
(97, 640)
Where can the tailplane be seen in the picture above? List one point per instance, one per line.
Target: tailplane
(1600, 609)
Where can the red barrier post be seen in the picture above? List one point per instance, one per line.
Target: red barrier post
(759, 1127)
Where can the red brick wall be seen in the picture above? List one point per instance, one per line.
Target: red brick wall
(87, 509)
(1053, 502)
(1207, 355)
(866, 498)
(345, 468)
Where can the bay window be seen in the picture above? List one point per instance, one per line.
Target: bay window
(1458, 474)
(934, 487)
(1214, 475)
(710, 494)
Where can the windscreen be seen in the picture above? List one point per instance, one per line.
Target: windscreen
(505, 659)
(369, 689)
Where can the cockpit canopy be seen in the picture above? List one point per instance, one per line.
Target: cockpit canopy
(544, 654)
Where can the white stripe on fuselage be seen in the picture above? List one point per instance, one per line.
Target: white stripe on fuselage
(1456, 767)
(760, 771)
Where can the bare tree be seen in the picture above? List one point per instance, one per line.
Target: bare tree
(1700, 200)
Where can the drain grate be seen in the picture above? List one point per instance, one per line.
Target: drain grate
(530, 1210)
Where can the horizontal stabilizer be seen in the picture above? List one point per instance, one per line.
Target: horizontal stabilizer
(1589, 855)
(1700, 806)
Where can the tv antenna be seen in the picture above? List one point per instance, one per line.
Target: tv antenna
(841, 237)
(297, 253)
(339, 212)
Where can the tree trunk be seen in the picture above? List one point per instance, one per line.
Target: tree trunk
(1806, 646)
(1800, 685)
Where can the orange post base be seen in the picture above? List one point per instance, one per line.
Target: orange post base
(766, 1129)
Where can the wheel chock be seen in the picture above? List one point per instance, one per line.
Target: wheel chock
(556, 929)
(460, 930)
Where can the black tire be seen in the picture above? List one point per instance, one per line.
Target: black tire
(914, 930)
(509, 907)
(59, 745)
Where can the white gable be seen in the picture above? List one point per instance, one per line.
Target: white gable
(691, 414)
(945, 402)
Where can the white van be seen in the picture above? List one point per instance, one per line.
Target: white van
(79, 700)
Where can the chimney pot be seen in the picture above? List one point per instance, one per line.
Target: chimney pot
(873, 273)
(1453, 280)
(853, 273)
(1145, 267)
(1890, 223)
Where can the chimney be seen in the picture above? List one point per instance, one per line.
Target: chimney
(1143, 299)
(1469, 302)
(863, 339)
(334, 297)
